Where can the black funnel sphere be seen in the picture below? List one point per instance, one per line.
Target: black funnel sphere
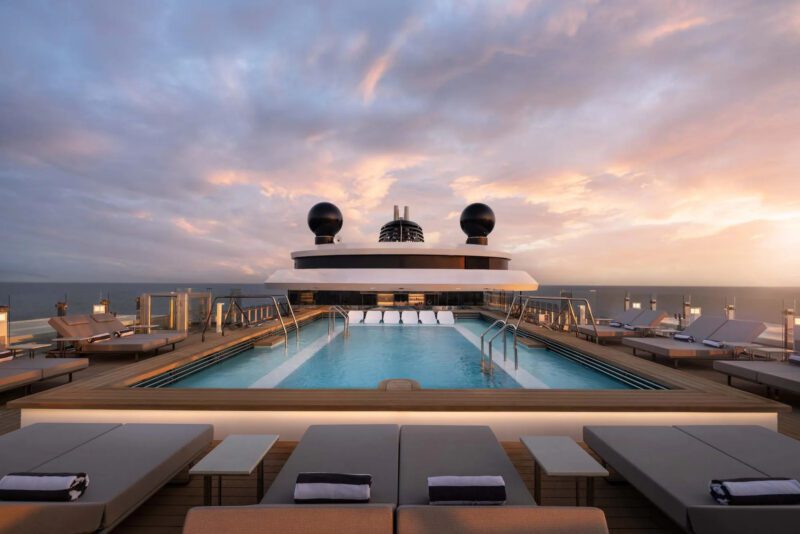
(477, 221)
(325, 220)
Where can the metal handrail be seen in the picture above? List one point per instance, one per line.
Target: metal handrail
(505, 327)
(504, 323)
(332, 311)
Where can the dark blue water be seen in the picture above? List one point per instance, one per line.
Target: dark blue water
(36, 300)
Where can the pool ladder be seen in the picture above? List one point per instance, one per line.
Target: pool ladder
(332, 313)
(487, 364)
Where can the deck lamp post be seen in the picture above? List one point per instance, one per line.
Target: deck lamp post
(5, 338)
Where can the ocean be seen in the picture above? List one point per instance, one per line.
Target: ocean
(37, 300)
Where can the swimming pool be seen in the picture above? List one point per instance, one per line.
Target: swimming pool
(438, 357)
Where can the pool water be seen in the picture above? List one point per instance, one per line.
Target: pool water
(438, 357)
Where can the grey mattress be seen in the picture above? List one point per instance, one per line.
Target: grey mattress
(454, 450)
(357, 449)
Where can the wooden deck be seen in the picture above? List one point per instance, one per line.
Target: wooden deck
(627, 511)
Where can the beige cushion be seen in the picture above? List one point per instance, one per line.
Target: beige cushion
(500, 520)
(292, 519)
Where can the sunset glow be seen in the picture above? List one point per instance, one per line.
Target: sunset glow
(618, 143)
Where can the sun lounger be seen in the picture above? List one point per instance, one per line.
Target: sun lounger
(779, 376)
(391, 317)
(427, 317)
(410, 317)
(445, 317)
(126, 464)
(82, 327)
(643, 319)
(352, 449)
(672, 467)
(373, 317)
(17, 378)
(624, 317)
(355, 316)
(474, 450)
(49, 367)
(730, 333)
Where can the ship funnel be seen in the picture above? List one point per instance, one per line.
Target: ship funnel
(396, 212)
(405, 214)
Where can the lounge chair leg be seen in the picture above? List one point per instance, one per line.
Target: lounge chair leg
(675, 363)
(537, 483)
(70, 377)
(207, 490)
(729, 380)
(589, 491)
(219, 490)
(260, 482)
(577, 491)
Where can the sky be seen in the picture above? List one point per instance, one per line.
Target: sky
(617, 142)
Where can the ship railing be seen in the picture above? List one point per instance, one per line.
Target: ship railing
(235, 310)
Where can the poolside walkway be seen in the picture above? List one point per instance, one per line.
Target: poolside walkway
(626, 509)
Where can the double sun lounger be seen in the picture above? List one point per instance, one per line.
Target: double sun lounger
(426, 317)
(23, 371)
(96, 334)
(672, 467)
(778, 376)
(126, 465)
(728, 333)
(400, 461)
(627, 324)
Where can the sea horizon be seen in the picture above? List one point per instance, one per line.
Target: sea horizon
(36, 300)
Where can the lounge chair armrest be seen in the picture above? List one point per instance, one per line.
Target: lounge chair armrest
(291, 519)
(420, 519)
(713, 519)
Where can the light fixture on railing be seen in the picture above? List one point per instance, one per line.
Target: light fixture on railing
(636, 305)
(4, 337)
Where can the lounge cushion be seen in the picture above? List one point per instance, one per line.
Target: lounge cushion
(747, 370)
(75, 320)
(670, 467)
(14, 378)
(126, 465)
(500, 520)
(432, 450)
(365, 449)
(49, 367)
(673, 348)
(771, 453)
(30, 446)
(290, 519)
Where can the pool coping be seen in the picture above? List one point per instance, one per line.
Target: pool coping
(111, 390)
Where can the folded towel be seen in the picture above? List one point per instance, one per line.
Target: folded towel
(756, 491)
(794, 358)
(124, 332)
(713, 343)
(99, 337)
(444, 490)
(615, 324)
(684, 337)
(316, 488)
(630, 327)
(43, 486)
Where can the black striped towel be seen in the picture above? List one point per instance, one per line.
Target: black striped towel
(320, 488)
(756, 491)
(475, 490)
(43, 486)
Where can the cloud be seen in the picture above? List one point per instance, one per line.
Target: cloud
(654, 142)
